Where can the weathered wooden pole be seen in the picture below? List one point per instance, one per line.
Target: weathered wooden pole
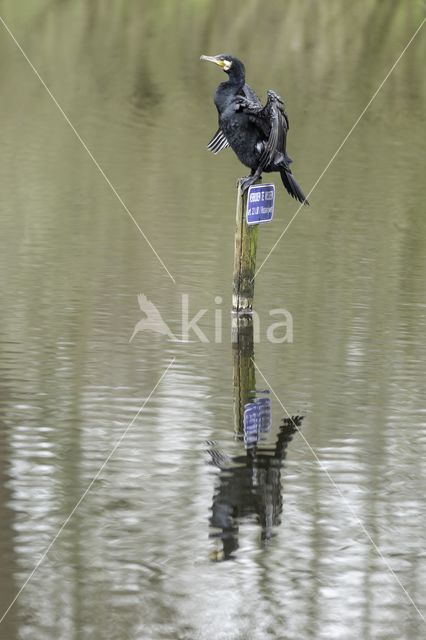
(244, 258)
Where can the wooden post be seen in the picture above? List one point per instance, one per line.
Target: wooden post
(244, 259)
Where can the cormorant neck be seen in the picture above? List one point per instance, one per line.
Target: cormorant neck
(237, 74)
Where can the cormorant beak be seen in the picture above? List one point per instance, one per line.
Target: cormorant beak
(216, 59)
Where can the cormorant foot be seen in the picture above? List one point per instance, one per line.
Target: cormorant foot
(245, 183)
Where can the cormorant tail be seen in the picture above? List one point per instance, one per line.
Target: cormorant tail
(292, 186)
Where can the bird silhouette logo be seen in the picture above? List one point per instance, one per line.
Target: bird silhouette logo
(153, 321)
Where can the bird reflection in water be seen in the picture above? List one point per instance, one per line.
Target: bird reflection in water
(249, 485)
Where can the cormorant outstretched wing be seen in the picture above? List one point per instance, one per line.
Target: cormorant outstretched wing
(274, 111)
(272, 121)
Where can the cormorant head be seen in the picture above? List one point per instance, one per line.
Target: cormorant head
(231, 65)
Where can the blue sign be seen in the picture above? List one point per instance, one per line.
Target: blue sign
(260, 203)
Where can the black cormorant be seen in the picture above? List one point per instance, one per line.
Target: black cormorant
(256, 133)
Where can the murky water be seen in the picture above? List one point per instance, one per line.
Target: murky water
(185, 533)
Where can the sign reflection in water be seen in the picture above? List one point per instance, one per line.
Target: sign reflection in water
(257, 420)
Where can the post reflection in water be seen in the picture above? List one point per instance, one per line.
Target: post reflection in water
(249, 484)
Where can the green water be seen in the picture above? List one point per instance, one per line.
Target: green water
(135, 560)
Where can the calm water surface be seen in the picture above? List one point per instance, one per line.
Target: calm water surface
(185, 534)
